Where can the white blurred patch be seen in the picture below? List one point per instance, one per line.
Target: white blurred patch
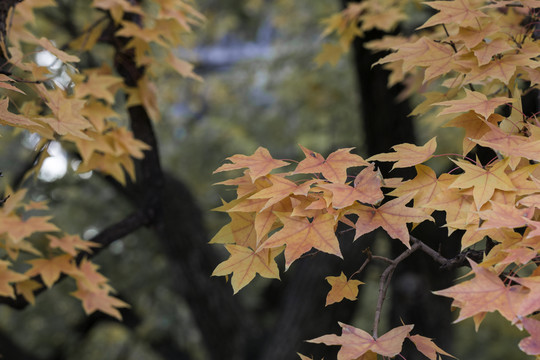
(55, 166)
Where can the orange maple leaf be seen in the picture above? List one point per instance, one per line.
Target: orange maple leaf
(334, 168)
(244, 264)
(355, 342)
(342, 288)
(50, 269)
(485, 293)
(483, 181)
(300, 235)
(406, 155)
(17, 229)
(87, 276)
(392, 216)
(259, 164)
(71, 244)
(473, 100)
(100, 300)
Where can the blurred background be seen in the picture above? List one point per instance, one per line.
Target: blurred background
(261, 88)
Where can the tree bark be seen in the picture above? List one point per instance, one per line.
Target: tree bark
(385, 123)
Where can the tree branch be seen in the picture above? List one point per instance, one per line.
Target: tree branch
(384, 282)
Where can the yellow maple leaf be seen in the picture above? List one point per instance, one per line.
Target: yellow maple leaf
(244, 264)
(484, 181)
(300, 235)
(406, 155)
(342, 288)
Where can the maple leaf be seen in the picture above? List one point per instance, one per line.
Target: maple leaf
(473, 100)
(510, 144)
(11, 119)
(406, 155)
(367, 189)
(531, 344)
(342, 288)
(259, 164)
(484, 293)
(100, 300)
(455, 11)
(280, 189)
(475, 127)
(423, 187)
(531, 301)
(67, 113)
(17, 229)
(355, 342)
(300, 235)
(392, 216)
(333, 168)
(183, 67)
(98, 86)
(7, 277)
(330, 54)
(87, 276)
(483, 181)
(61, 55)
(50, 269)
(427, 347)
(71, 244)
(472, 36)
(502, 69)
(26, 289)
(486, 50)
(244, 263)
(505, 215)
(240, 231)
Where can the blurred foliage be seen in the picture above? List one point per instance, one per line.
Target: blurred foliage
(276, 98)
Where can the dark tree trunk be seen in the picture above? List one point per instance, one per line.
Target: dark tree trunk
(386, 123)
